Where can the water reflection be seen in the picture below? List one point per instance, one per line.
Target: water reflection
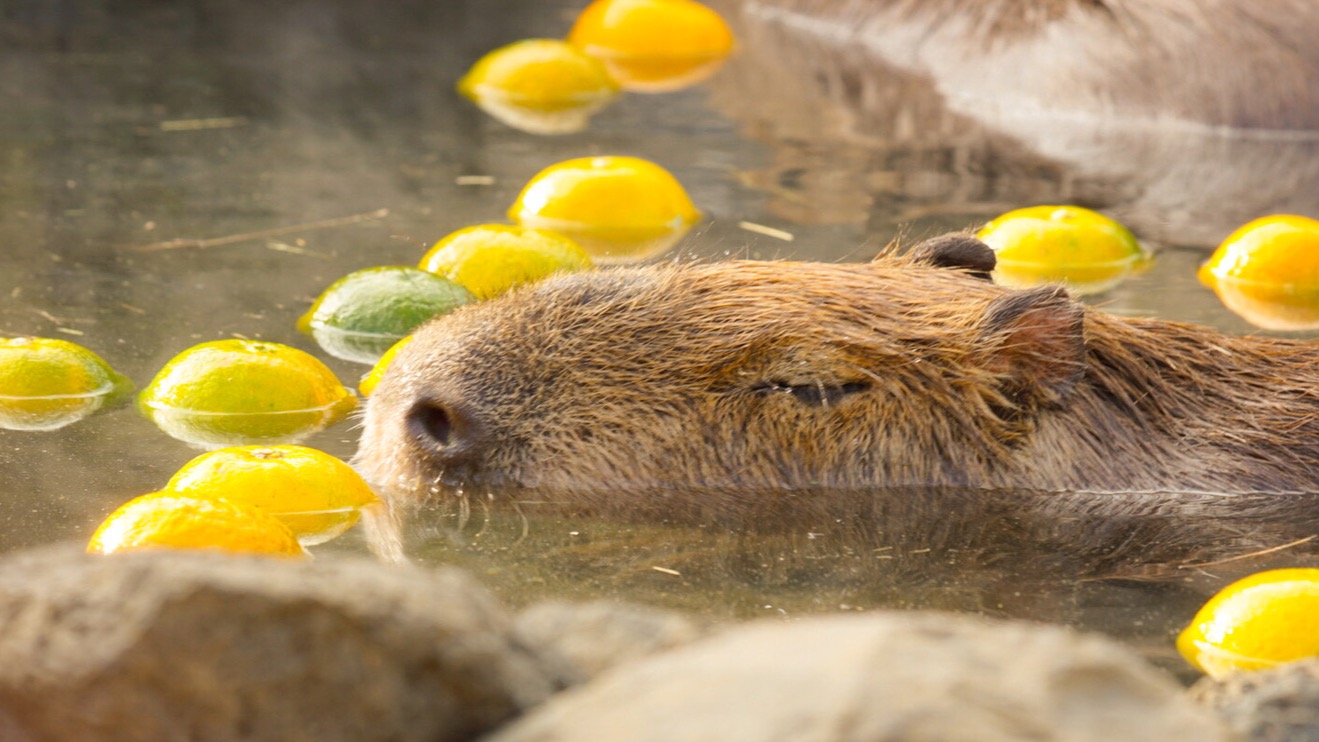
(201, 120)
(857, 138)
(1126, 564)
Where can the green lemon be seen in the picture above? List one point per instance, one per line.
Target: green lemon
(362, 314)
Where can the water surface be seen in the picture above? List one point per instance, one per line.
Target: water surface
(131, 128)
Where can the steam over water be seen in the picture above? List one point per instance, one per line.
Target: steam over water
(131, 125)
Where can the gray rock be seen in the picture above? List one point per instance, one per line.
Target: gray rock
(178, 645)
(1280, 704)
(876, 677)
(581, 640)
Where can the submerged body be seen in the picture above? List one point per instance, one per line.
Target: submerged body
(1230, 63)
(750, 393)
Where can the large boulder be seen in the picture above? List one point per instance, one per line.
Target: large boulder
(179, 645)
(1280, 704)
(884, 676)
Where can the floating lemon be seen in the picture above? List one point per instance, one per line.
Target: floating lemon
(315, 494)
(1256, 622)
(46, 384)
(490, 259)
(362, 314)
(1062, 244)
(654, 45)
(231, 392)
(1268, 272)
(372, 377)
(542, 86)
(169, 520)
(619, 209)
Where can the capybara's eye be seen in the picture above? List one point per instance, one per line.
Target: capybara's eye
(432, 422)
(816, 395)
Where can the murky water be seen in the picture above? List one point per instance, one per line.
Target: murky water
(292, 145)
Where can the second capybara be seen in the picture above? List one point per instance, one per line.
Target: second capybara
(731, 391)
(1248, 64)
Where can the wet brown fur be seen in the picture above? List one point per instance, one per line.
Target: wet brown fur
(735, 391)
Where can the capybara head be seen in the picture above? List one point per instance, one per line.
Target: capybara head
(705, 391)
(735, 375)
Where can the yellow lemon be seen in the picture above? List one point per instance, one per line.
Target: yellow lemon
(315, 494)
(654, 46)
(230, 392)
(47, 383)
(489, 259)
(169, 520)
(1084, 249)
(543, 86)
(619, 209)
(372, 377)
(1260, 621)
(362, 314)
(1268, 272)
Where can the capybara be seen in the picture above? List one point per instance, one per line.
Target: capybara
(735, 391)
(1233, 63)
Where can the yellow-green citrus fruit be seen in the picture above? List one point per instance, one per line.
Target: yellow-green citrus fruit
(489, 259)
(230, 392)
(315, 494)
(372, 377)
(1257, 622)
(620, 209)
(47, 383)
(1267, 271)
(654, 46)
(165, 520)
(362, 314)
(1083, 249)
(543, 86)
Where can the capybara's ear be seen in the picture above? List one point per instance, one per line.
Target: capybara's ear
(956, 250)
(1035, 340)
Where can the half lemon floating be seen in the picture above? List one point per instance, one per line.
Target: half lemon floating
(231, 392)
(619, 209)
(654, 46)
(1083, 249)
(541, 86)
(173, 521)
(1267, 271)
(1257, 622)
(313, 493)
(47, 383)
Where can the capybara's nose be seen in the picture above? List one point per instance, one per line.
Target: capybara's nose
(451, 431)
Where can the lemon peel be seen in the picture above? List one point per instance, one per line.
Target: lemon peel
(316, 495)
(489, 259)
(619, 209)
(1267, 271)
(47, 383)
(654, 46)
(230, 392)
(169, 520)
(542, 86)
(1085, 250)
(1257, 622)
(358, 317)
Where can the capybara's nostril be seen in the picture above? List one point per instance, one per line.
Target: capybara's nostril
(432, 422)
